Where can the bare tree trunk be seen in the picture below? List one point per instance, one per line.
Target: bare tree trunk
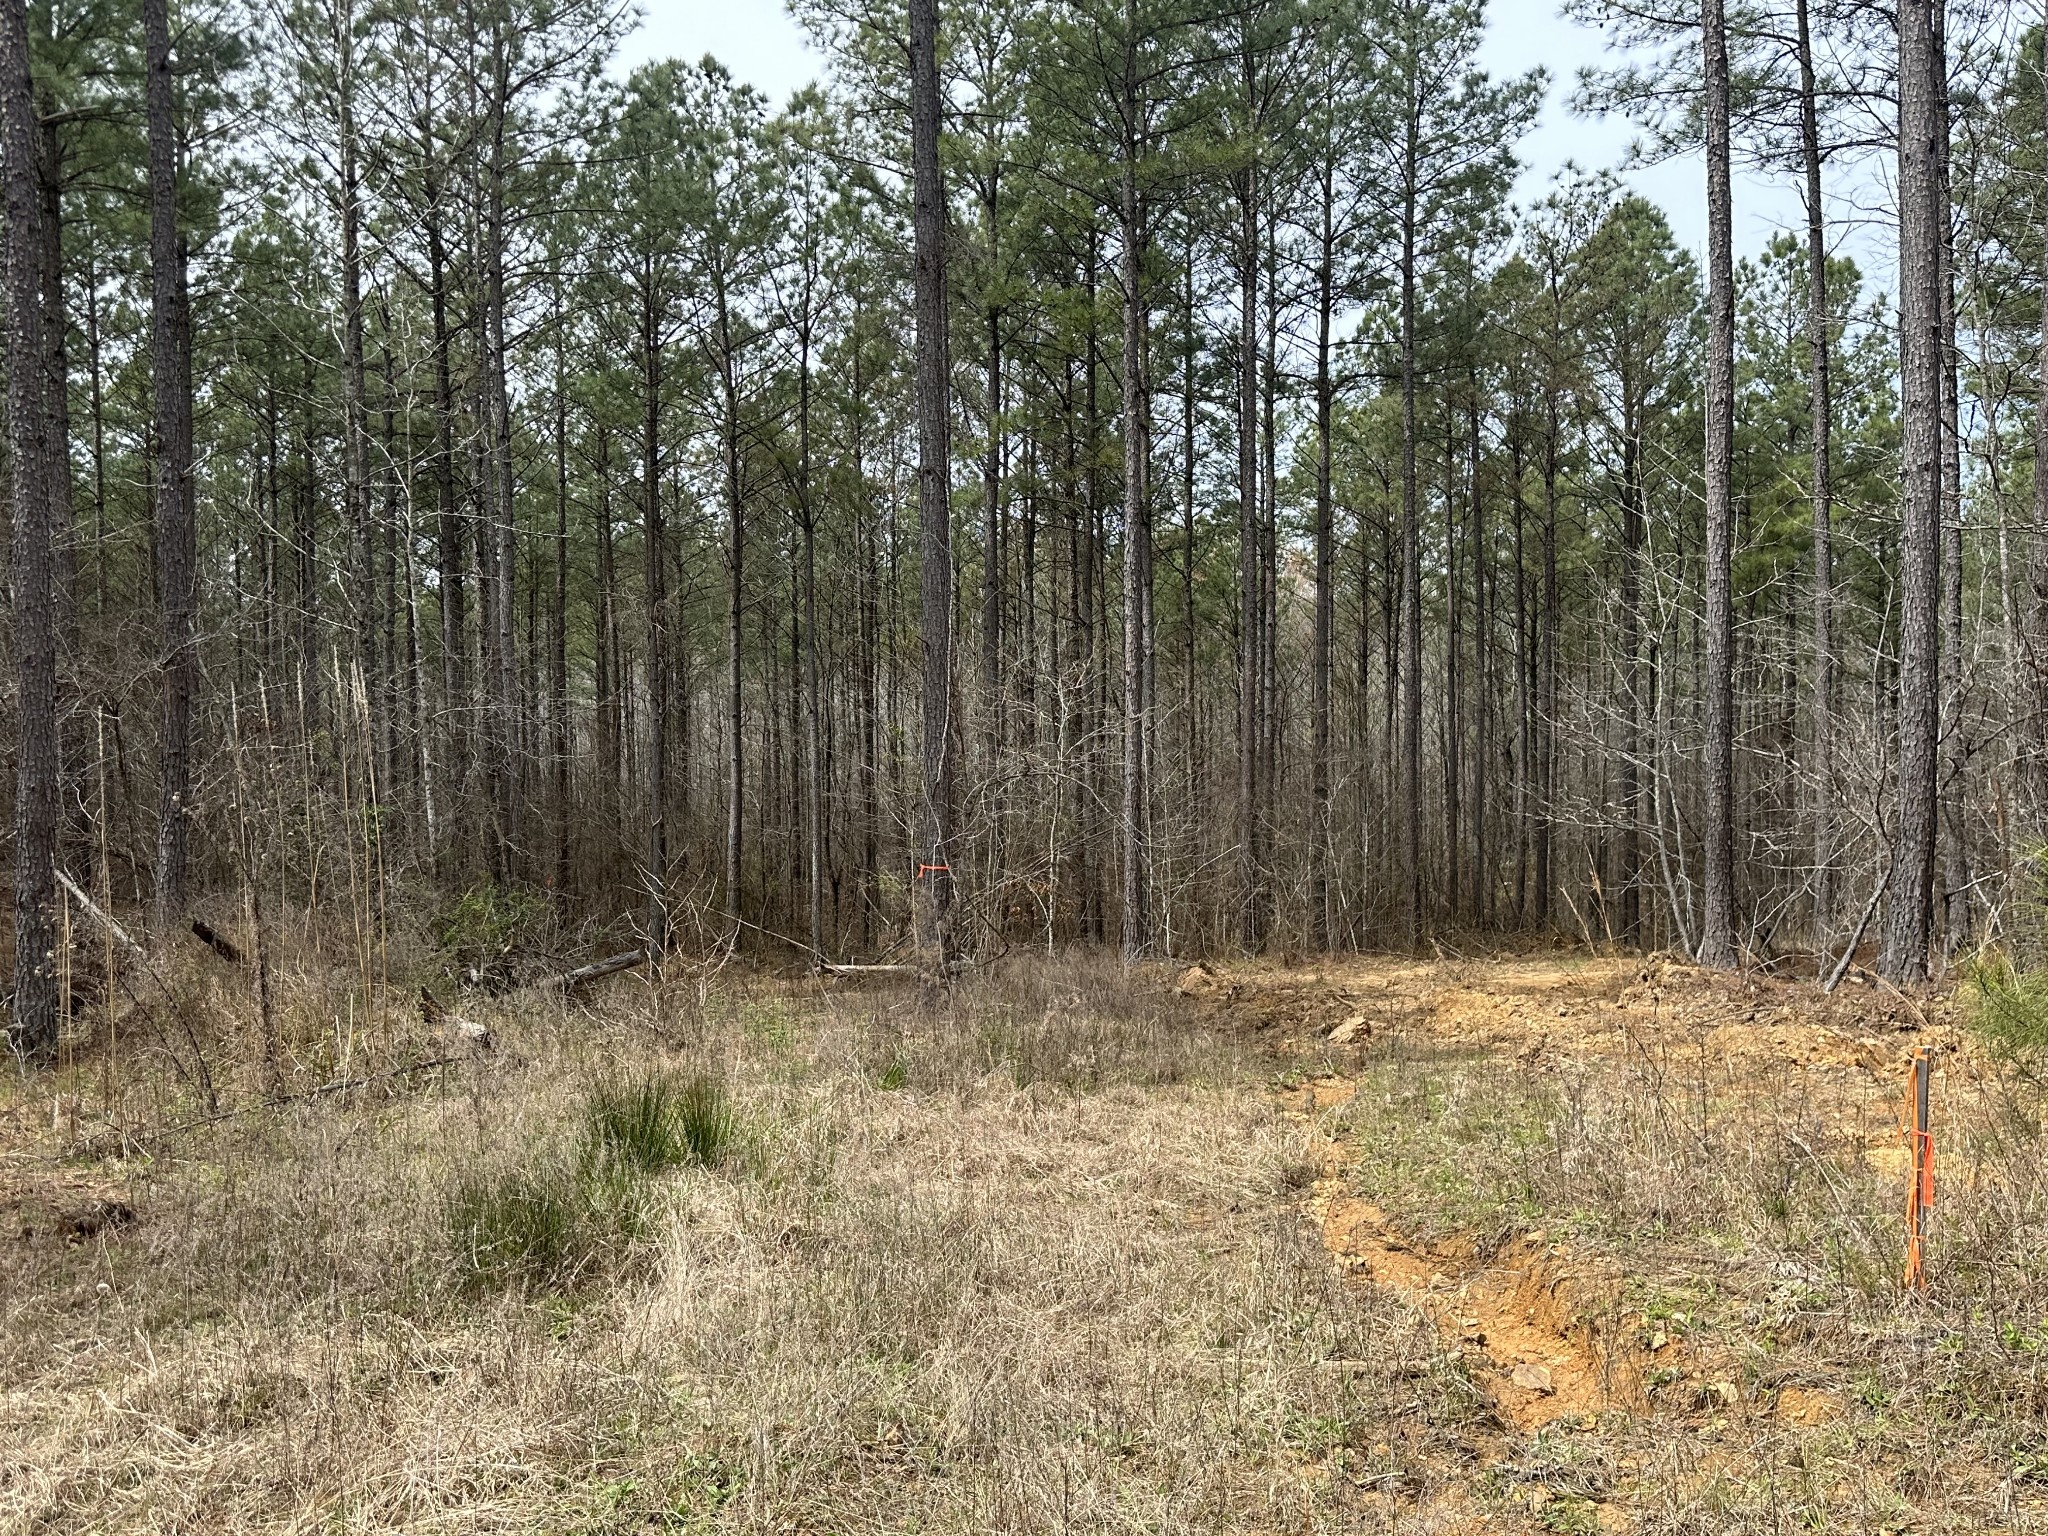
(170, 337)
(355, 423)
(1525, 676)
(499, 556)
(2037, 562)
(63, 534)
(654, 536)
(1909, 889)
(868, 576)
(1955, 737)
(1452, 730)
(1320, 833)
(934, 885)
(1250, 604)
(1411, 556)
(1269, 576)
(1482, 871)
(29, 355)
(1717, 923)
(1819, 343)
(560, 733)
(449, 553)
(993, 693)
(1628, 878)
(1546, 676)
(1137, 917)
(814, 768)
(735, 696)
(605, 662)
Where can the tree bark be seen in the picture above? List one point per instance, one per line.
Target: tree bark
(1137, 918)
(735, 695)
(500, 552)
(654, 537)
(560, 732)
(1909, 891)
(934, 883)
(1717, 924)
(2036, 619)
(1320, 831)
(1955, 736)
(1819, 345)
(1251, 725)
(170, 337)
(1411, 554)
(34, 1020)
(355, 423)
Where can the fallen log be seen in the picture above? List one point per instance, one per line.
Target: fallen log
(950, 968)
(201, 1077)
(105, 919)
(216, 941)
(611, 965)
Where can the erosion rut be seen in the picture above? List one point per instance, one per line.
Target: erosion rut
(1539, 1336)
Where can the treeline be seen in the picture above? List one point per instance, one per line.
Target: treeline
(441, 461)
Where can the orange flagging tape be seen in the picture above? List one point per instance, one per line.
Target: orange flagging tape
(935, 869)
(1920, 1187)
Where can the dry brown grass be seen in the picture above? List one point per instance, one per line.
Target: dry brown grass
(1025, 1261)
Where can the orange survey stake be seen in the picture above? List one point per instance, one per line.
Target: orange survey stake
(1920, 1145)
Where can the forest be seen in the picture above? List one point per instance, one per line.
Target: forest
(1097, 781)
(1125, 473)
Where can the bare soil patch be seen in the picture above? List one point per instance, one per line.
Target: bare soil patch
(1654, 1212)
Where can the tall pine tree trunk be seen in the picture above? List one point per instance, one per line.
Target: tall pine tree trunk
(355, 422)
(1717, 925)
(170, 339)
(814, 767)
(2037, 563)
(498, 551)
(1819, 344)
(449, 542)
(735, 696)
(1909, 891)
(1320, 833)
(654, 538)
(1137, 924)
(1251, 727)
(1955, 737)
(1411, 559)
(34, 1024)
(560, 733)
(934, 884)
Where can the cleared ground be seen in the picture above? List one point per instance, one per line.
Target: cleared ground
(1542, 1243)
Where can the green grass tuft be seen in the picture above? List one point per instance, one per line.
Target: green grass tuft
(659, 1121)
(705, 1120)
(548, 1222)
(519, 1226)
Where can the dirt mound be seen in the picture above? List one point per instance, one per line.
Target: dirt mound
(1549, 1009)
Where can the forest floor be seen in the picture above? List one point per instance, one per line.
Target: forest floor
(1541, 1242)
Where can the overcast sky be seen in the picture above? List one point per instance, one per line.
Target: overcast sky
(761, 44)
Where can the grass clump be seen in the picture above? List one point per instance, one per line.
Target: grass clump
(551, 1220)
(659, 1121)
(521, 1226)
